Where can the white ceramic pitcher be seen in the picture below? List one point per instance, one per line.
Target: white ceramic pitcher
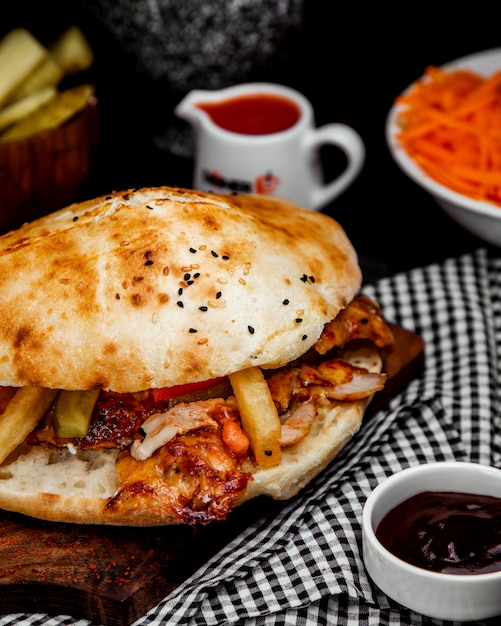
(262, 138)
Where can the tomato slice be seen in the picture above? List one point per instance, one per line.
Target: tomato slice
(167, 393)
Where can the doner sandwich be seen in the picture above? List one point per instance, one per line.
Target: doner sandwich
(166, 355)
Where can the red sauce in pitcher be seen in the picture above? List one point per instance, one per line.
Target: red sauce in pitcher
(448, 532)
(253, 114)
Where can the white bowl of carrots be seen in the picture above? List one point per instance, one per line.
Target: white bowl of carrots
(444, 132)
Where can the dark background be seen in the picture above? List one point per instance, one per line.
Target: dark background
(349, 60)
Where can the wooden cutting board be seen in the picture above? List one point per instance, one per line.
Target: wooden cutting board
(113, 576)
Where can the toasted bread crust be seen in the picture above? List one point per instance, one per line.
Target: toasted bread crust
(156, 287)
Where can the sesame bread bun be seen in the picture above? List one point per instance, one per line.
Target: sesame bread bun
(184, 285)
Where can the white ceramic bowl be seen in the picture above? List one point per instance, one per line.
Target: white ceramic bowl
(480, 218)
(433, 594)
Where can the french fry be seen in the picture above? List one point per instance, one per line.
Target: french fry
(21, 416)
(72, 51)
(258, 414)
(48, 73)
(64, 106)
(19, 110)
(20, 53)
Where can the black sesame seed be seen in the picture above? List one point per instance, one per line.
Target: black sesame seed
(149, 262)
(190, 282)
(180, 304)
(268, 452)
(214, 253)
(298, 320)
(251, 330)
(312, 279)
(192, 250)
(203, 308)
(193, 330)
(304, 278)
(225, 257)
(180, 291)
(196, 275)
(304, 337)
(117, 296)
(286, 302)
(187, 276)
(149, 207)
(75, 218)
(218, 295)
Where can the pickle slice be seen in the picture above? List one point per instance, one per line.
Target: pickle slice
(73, 412)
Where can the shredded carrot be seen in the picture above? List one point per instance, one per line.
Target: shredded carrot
(450, 124)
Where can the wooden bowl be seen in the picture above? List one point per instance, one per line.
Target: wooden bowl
(45, 172)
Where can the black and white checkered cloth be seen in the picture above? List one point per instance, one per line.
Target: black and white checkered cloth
(304, 565)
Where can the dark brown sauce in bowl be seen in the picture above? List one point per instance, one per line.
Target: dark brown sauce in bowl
(447, 532)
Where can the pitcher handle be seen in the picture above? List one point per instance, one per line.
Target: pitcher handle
(350, 142)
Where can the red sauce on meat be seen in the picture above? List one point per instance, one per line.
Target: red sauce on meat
(117, 417)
